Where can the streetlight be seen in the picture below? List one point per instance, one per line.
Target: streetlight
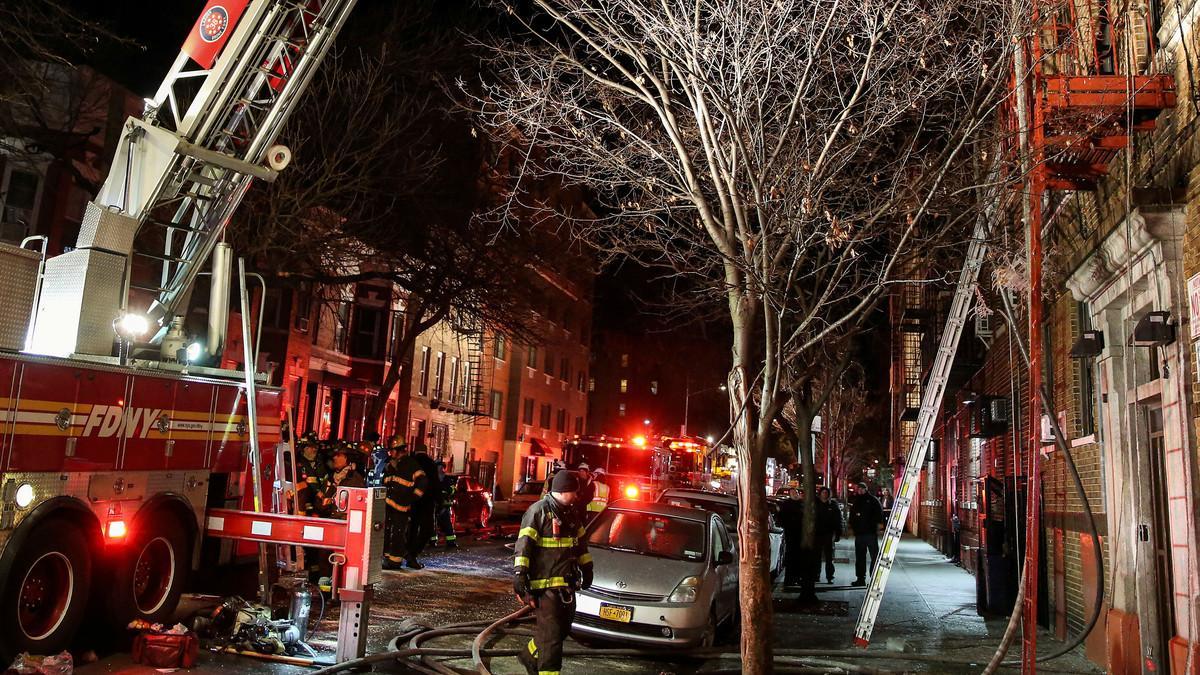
(687, 397)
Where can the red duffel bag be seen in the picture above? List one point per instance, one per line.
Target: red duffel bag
(166, 650)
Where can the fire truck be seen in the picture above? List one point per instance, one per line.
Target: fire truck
(117, 436)
(639, 467)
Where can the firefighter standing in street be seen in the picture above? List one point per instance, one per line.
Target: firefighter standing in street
(551, 563)
(447, 486)
(345, 474)
(600, 497)
(421, 528)
(405, 482)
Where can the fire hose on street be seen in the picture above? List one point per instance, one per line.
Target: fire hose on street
(409, 648)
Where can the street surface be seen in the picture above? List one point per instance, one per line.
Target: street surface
(929, 612)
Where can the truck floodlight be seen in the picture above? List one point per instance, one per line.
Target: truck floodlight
(24, 496)
(116, 529)
(131, 326)
(194, 351)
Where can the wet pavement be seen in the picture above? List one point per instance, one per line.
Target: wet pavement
(929, 612)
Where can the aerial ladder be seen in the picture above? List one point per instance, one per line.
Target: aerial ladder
(931, 403)
(178, 175)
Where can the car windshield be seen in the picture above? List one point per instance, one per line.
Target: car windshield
(649, 534)
(727, 512)
(530, 488)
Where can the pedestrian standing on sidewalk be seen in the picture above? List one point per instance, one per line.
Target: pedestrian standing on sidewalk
(829, 531)
(791, 519)
(551, 563)
(866, 517)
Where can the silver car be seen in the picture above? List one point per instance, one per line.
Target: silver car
(663, 576)
(726, 506)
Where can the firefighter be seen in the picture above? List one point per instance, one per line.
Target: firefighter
(311, 474)
(345, 474)
(551, 563)
(448, 486)
(421, 527)
(405, 482)
(600, 488)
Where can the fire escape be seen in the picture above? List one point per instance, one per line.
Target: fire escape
(1091, 95)
(1085, 87)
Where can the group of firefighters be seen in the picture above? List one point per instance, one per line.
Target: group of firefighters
(420, 494)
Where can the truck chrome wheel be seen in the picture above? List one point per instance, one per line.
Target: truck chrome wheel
(45, 595)
(153, 575)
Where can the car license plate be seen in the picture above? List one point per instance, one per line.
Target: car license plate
(620, 613)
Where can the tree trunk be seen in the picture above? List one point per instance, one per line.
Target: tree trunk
(754, 556)
(808, 475)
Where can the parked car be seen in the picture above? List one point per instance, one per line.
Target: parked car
(472, 503)
(665, 575)
(726, 506)
(526, 494)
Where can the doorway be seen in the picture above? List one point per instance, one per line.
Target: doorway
(1161, 536)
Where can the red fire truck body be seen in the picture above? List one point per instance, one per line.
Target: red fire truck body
(121, 459)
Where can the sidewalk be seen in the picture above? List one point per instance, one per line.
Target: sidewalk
(928, 608)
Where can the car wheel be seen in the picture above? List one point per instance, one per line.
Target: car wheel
(45, 597)
(149, 575)
(485, 516)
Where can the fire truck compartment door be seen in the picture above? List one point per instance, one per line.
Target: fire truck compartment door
(117, 487)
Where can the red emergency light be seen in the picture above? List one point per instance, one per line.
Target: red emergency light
(116, 529)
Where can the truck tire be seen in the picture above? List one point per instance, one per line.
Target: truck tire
(45, 596)
(150, 572)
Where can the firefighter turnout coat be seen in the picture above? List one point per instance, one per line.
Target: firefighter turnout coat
(551, 548)
(405, 482)
(599, 500)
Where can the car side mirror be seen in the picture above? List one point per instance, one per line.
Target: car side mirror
(724, 558)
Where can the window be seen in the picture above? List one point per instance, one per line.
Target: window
(549, 365)
(654, 387)
(591, 384)
(275, 308)
(501, 349)
(439, 372)
(531, 360)
(340, 332)
(564, 370)
(579, 383)
(497, 404)
(370, 330)
(578, 426)
(624, 360)
(1087, 382)
(620, 410)
(560, 424)
(544, 416)
(454, 383)
(19, 201)
(624, 385)
(304, 307)
(423, 380)
(527, 412)
(465, 387)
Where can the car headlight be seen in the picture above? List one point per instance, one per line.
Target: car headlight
(686, 590)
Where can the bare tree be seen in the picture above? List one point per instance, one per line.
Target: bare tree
(840, 418)
(387, 187)
(789, 155)
(49, 105)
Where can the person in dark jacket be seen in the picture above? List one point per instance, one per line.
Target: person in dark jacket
(310, 476)
(448, 487)
(424, 511)
(829, 530)
(866, 516)
(791, 519)
(345, 474)
(405, 482)
(551, 563)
